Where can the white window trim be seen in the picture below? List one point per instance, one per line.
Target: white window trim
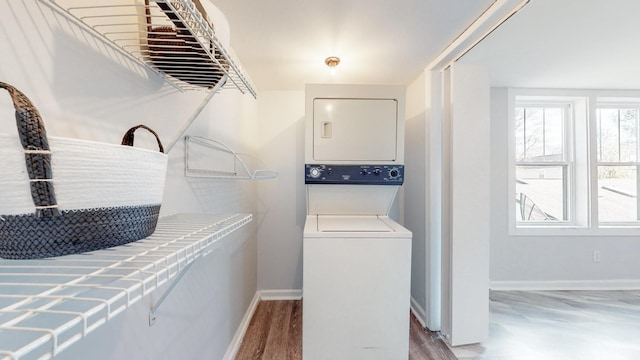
(585, 217)
(617, 103)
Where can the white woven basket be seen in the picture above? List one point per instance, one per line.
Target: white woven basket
(86, 175)
(63, 196)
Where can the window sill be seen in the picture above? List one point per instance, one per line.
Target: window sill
(632, 230)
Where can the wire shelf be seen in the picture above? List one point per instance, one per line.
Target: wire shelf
(213, 159)
(194, 59)
(46, 305)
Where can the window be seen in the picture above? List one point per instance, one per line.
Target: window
(542, 169)
(575, 162)
(618, 166)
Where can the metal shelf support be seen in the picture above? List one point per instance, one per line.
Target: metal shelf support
(154, 307)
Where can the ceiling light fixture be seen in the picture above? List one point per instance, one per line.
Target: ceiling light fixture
(332, 62)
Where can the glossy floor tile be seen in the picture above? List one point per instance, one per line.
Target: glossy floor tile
(562, 325)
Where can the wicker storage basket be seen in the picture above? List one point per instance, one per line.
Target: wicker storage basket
(175, 51)
(63, 196)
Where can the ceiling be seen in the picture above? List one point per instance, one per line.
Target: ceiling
(282, 44)
(565, 44)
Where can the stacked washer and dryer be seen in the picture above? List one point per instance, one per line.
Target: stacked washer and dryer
(356, 260)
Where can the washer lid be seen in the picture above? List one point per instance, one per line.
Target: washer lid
(351, 223)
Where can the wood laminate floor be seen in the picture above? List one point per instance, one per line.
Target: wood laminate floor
(275, 333)
(524, 325)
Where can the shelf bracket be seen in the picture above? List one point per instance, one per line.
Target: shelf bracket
(193, 117)
(154, 307)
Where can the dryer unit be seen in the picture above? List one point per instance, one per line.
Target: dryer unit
(354, 135)
(354, 124)
(356, 260)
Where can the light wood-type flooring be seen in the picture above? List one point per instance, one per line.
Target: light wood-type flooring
(275, 333)
(524, 325)
(560, 325)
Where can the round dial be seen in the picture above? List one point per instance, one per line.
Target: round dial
(314, 172)
(393, 173)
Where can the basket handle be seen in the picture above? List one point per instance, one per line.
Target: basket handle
(37, 153)
(128, 136)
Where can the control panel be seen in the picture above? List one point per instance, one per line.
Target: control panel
(354, 174)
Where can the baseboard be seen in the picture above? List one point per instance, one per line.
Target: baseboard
(419, 312)
(292, 294)
(234, 346)
(566, 285)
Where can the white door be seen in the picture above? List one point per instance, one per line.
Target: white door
(466, 270)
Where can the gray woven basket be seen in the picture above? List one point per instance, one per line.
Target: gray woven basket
(51, 230)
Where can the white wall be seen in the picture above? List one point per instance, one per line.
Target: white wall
(423, 195)
(548, 261)
(415, 195)
(84, 89)
(282, 201)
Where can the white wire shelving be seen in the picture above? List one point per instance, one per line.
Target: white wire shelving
(123, 24)
(212, 159)
(47, 305)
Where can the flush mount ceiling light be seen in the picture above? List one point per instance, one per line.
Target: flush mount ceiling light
(332, 62)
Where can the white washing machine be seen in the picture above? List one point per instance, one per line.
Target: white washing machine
(356, 260)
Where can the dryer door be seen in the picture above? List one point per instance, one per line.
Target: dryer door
(355, 129)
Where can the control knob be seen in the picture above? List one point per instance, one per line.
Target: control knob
(314, 172)
(376, 171)
(393, 173)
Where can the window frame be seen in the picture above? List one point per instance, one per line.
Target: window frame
(566, 163)
(625, 103)
(582, 142)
